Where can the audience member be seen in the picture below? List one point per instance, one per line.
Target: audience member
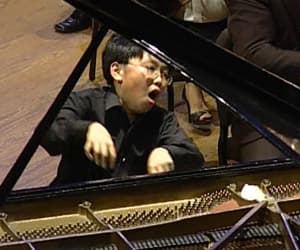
(266, 33)
(208, 18)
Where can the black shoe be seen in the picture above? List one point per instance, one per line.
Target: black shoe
(77, 21)
(200, 120)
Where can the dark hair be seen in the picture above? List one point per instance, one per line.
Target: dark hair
(118, 49)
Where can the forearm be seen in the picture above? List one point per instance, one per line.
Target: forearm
(183, 151)
(68, 131)
(185, 156)
(65, 136)
(285, 63)
(254, 36)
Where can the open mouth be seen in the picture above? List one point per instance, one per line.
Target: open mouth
(153, 95)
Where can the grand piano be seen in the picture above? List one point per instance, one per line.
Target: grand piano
(205, 209)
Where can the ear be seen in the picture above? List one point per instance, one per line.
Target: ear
(116, 72)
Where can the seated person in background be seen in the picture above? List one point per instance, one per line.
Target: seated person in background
(118, 130)
(266, 33)
(208, 18)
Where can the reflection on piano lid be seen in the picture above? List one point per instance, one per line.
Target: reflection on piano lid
(174, 211)
(261, 98)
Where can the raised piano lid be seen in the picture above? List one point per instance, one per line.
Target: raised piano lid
(266, 101)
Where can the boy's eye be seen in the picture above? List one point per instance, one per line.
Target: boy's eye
(165, 74)
(151, 69)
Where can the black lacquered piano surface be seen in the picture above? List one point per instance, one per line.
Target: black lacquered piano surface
(194, 210)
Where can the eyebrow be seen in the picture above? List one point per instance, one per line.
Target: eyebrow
(157, 62)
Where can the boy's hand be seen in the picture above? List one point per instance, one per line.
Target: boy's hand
(99, 146)
(159, 161)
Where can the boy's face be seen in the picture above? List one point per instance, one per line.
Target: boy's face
(139, 82)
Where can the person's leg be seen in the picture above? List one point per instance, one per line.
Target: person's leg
(77, 21)
(196, 98)
(251, 145)
(198, 111)
(200, 116)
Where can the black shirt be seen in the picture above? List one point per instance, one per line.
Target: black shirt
(133, 141)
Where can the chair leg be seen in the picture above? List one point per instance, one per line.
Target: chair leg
(222, 145)
(170, 97)
(92, 72)
(225, 121)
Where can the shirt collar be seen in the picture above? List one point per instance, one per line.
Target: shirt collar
(112, 100)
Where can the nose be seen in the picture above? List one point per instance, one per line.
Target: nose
(158, 81)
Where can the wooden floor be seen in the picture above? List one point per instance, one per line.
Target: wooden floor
(35, 63)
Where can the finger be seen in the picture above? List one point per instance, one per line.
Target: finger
(112, 156)
(152, 170)
(103, 156)
(163, 168)
(97, 154)
(87, 151)
(168, 167)
(89, 156)
(159, 169)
